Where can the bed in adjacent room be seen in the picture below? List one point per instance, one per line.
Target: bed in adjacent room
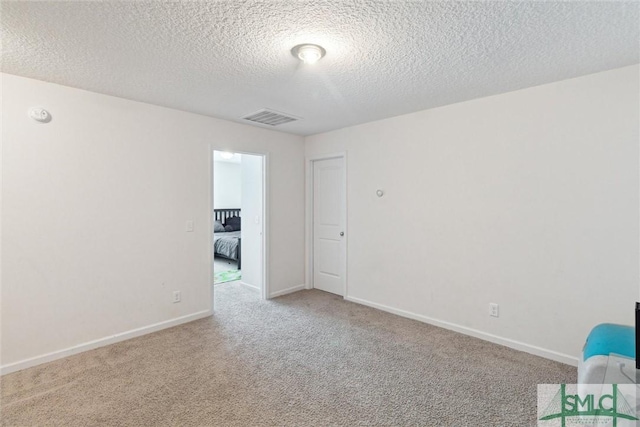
(227, 235)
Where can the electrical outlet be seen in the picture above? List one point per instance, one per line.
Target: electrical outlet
(188, 227)
(177, 297)
(494, 310)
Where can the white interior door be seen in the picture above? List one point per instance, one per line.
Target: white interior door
(251, 208)
(329, 241)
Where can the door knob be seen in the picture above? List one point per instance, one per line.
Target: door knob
(342, 233)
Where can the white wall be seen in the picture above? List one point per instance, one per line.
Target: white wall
(528, 199)
(227, 185)
(252, 220)
(94, 210)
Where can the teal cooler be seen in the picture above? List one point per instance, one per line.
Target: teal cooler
(603, 340)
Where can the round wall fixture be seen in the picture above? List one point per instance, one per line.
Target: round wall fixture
(40, 115)
(379, 193)
(308, 53)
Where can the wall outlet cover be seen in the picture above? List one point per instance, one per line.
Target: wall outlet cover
(494, 310)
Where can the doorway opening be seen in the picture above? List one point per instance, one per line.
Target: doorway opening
(239, 220)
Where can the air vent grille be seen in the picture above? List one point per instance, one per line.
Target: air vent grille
(270, 118)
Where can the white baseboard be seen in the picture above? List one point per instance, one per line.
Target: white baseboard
(286, 291)
(49, 357)
(250, 286)
(517, 345)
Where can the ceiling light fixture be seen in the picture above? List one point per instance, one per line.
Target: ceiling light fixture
(308, 53)
(226, 155)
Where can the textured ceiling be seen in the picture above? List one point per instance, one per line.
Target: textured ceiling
(228, 59)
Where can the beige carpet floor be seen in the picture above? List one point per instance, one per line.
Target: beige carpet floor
(305, 359)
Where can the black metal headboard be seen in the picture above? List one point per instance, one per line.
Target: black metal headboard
(223, 214)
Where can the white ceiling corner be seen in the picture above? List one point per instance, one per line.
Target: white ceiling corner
(229, 58)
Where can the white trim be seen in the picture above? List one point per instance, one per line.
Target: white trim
(309, 216)
(288, 291)
(345, 224)
(101, 342)
(257, 288)
(265, 226)
(308, 223)
(210, 231)
(517, 345)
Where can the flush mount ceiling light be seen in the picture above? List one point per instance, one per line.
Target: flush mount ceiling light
(308, 53)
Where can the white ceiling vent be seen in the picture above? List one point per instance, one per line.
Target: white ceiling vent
(270, 118)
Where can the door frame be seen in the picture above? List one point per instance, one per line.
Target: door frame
(264, 291)
(309, 162)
